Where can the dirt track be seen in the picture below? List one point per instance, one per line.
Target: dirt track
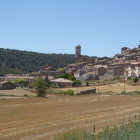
(44, 118)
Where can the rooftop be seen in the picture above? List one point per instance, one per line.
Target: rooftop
(62, 80)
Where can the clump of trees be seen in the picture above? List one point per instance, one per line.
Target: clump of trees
(67, 76)
(19, 62)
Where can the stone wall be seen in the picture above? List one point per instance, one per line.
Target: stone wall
(89, 91)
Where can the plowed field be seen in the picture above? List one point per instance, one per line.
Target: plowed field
(45, 118)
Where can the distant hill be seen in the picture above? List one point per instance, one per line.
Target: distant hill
(16, 61)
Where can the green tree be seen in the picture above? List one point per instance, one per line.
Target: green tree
(76, 83)
(48, 82)
(67, 76)
(21, 82)
(40, 87)
(136, 79)
(11, 81)
(26, 83)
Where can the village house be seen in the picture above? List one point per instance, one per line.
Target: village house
(76, 65)
(78, 73)
(99, 70)
(5, 85)
(132, 71)
(71, 71)
(87, 76)
(50, 71)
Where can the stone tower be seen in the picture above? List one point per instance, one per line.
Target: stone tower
(139, 47)
(78, 51)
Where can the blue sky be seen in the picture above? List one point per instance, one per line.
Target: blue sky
(101, 27)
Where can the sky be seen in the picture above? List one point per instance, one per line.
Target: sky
(101, 27)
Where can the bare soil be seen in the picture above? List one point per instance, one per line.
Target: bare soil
(46, 118)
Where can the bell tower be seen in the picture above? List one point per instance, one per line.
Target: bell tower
(78, 51)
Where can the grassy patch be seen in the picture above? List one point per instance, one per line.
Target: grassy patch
(69, 92)
(130, 131)
(25, 95)
(16, 112)
(7, 95)
(125, 93)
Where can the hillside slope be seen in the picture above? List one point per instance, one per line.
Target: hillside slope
(16, 61)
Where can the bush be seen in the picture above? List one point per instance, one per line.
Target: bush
(76, 83)
(77, 93)
(11, 81)
(87, 84)
(136, 79)
(54, 86)
(25, 95)
(116, 78)
(69, 92)
(129, 78)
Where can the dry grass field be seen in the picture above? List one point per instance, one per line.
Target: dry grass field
(45, 118)
(15, 92)
(110, 88)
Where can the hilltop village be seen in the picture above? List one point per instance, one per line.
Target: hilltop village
(126, 64)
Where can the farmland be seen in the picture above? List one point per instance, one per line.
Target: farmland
(109, 88)
(46, 118)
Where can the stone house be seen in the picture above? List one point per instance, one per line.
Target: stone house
(99, 70)
(79, 72)
(5, 85)
(132, 71)
(87, 76)
(50, 71)
(76, 65)
(71, 71)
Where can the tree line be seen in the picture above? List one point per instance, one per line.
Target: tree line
(18, 62)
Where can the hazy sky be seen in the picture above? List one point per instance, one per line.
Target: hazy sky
(101, 27)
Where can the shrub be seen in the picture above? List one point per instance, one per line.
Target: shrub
(25, 95)
(11, 81)
(69, 92)
(54, 86)
(87, 84)
(76, 83)
(129, 78)
(116, 78)
(136, 79)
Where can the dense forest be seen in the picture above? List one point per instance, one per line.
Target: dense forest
(16, 61)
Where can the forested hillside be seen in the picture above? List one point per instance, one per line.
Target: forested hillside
(16, 61)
